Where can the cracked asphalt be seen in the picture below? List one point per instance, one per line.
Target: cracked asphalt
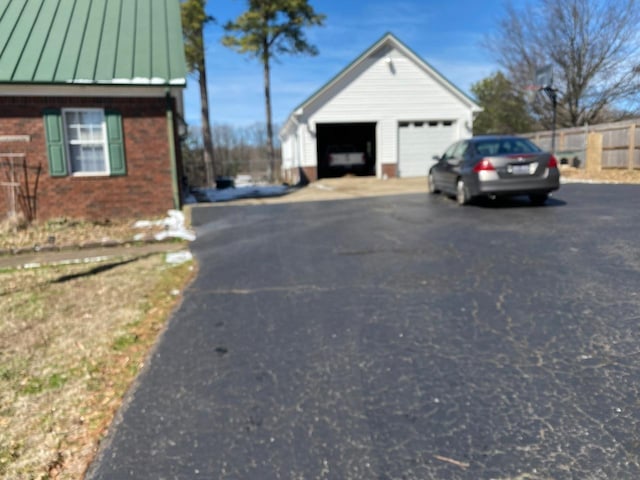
(398, 337)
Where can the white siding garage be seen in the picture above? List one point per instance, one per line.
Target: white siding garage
(388, 103)
(419, 141)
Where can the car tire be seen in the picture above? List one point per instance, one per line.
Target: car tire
(431, 184)
(462, 194)
(538, 199)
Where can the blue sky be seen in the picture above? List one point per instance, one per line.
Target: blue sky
(447, 34)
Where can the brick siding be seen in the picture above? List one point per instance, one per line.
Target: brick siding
(146, 189)
(292, 175)
(389, 170)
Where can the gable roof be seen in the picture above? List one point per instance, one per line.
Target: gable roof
(89, 42)
(387, 40)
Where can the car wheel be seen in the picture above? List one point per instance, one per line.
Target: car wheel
(538, 198)
(462, 194)
(431, 184)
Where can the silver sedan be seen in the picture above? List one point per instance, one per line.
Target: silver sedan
(495, 166)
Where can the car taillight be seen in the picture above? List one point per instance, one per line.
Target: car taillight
(483, 166)
(553, 163)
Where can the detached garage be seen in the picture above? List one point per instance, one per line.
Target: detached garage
(387, 114)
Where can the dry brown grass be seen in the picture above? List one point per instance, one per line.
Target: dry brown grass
(609, 175)
(72, 339)
(66, 232)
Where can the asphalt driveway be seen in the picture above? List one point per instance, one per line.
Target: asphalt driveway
(398, 337)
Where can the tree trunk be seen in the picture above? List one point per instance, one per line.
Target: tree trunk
(267, 97)
(210, 171)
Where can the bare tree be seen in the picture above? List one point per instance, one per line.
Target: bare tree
(592, 45)
(237, 149)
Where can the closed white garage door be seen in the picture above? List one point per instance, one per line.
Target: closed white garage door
(418, 142)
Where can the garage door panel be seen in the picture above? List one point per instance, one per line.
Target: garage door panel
(418, 142)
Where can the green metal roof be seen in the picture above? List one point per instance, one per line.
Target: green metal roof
(120, 42)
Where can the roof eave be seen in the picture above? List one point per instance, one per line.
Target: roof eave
(117, 82)
(132, 82)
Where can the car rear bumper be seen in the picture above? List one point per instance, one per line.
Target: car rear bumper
(493, 185)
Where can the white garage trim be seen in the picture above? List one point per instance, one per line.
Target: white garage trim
(419, 141)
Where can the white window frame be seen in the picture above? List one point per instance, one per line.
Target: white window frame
(68, 142)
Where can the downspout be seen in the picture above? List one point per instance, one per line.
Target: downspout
(175, 186)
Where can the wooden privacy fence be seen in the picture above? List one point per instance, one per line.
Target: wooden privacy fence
(607, 145)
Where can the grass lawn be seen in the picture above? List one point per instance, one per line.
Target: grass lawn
(72, 339)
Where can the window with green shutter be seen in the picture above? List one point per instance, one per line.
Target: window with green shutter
(85, 141)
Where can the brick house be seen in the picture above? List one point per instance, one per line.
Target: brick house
(91, 97)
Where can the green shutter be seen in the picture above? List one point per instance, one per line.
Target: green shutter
(115, 140)
(55, 142)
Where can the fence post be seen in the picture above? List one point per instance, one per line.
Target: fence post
(594, 152)
(632, 145)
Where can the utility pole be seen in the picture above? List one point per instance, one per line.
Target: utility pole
(552, 93)
(544, 78)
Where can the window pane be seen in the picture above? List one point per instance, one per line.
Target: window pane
(91, 118)
(87, 158)
(71, 117)
(96, 132)
(73, 133)
(85, 134)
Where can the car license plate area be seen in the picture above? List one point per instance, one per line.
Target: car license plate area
(523, 169)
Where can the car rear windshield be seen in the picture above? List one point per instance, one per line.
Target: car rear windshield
(506, 146)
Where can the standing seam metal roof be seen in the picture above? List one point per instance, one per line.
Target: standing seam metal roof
(119, 42)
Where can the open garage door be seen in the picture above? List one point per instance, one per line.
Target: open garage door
(346, 148)
(418, 142)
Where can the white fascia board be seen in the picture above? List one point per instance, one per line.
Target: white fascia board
(290, 125)
(130, 81)
(143, 81)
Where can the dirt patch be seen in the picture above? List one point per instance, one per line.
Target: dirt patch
(358, 187)
(344, 188)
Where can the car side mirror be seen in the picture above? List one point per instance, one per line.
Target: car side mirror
(436, 158)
